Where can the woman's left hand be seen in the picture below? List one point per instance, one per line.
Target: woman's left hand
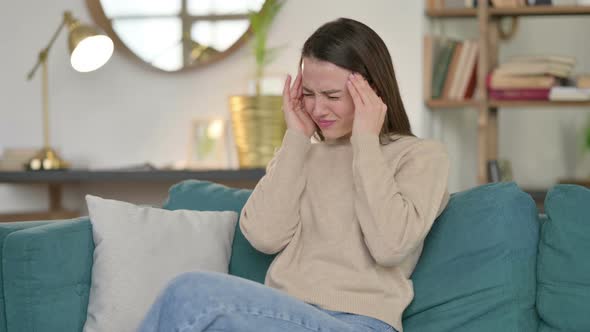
(369, 109)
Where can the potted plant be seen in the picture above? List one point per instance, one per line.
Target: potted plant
(257, 121)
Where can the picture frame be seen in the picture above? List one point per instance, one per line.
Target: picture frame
(208, 143)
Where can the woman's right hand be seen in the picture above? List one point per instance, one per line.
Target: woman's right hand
(295, 115)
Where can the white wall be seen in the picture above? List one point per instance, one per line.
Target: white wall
(126, 114)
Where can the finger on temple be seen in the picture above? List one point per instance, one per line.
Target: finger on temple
(354, 93)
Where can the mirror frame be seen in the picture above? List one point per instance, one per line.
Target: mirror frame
(100, 19)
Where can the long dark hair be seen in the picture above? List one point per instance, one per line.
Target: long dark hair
(354, 46)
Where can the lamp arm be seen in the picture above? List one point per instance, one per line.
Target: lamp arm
(43, 54)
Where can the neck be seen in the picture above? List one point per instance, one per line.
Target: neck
(339, 140)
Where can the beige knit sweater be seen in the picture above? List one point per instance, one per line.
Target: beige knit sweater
(348, 219)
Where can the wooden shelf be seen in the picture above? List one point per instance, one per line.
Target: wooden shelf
(519, 11)
(455, 12)
(538, 103)
(541, 11)
(450, 104)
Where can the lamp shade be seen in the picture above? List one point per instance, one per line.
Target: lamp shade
(89, 49)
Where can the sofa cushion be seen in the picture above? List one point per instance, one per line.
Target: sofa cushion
(47, 276)
(477, 269)
(563, 290)
(245, 262)
(5, 230)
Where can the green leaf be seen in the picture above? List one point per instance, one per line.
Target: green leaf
(260, 25)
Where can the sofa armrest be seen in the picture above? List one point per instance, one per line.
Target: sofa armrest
(47, 272)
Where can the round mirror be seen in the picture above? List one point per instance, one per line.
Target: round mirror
(174, 35)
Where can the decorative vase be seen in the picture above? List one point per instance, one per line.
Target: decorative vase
(258, 125)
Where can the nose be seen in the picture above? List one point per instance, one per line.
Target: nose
(319, 108)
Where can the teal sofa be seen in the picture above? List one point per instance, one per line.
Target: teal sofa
(490, 263)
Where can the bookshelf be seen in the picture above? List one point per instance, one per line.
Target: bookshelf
(520, 11)
(488, 43)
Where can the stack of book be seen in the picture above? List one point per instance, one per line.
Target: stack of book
(450, 68)
(15, 159)
(530, 77)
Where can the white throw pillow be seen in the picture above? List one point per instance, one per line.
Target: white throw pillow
(138, 250)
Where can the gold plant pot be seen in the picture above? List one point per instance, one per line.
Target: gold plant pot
(258, 125)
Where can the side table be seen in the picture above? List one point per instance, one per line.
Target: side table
(242, 178)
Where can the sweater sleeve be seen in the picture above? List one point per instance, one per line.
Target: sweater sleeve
(396, 205)
(271, 214)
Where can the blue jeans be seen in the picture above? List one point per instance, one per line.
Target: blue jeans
(207, 301)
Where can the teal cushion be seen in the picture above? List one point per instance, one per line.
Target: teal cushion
(477, 269)
(47, 272)
(5, 230)
(563, 274)
(245, 262)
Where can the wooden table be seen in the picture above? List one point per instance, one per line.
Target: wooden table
(243, 178)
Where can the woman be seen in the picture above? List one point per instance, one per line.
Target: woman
(347, 215)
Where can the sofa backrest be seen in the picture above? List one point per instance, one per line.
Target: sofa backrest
(477, 269)
(245, 261)
(563, 271)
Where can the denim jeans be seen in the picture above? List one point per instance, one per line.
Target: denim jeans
(208, 301)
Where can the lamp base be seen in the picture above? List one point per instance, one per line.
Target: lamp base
(45, 160)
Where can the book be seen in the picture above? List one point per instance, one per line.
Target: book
(569, 93)
(468, 72)
(493, 171)
(470, 90)
(519, 94)
(535, 68)
(508, 3)
(452, 70)
(460, 70)
(432, 49)
(500, 81)
(549, 58)
(16, 159)
(441, 67)
(428, 57)
(539, 3)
